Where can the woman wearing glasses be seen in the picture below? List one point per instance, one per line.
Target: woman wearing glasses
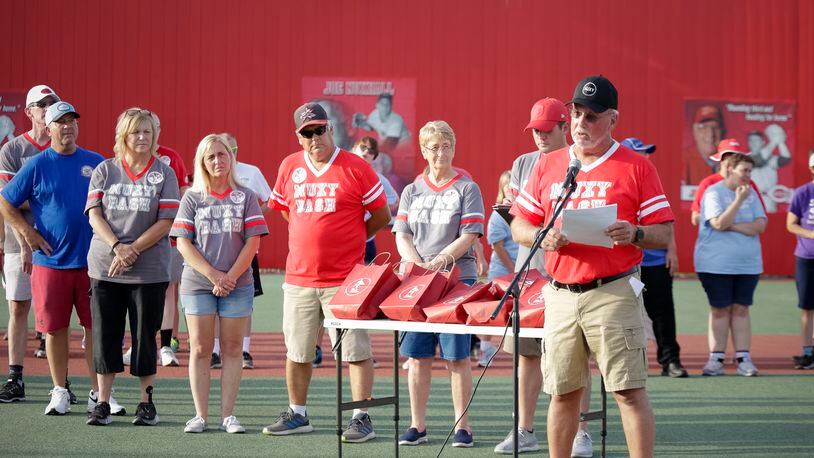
(368, 149)
(131, 203)
(218, 231)
(440, 217)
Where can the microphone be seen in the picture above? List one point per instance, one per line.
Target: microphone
(571, 174)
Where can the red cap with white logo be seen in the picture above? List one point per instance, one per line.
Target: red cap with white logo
(546, 113)
(728, 145)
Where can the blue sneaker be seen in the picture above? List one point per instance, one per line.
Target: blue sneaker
(359, 430)
(289, 423)
(463, 438)
(413, 437)
(317, 358)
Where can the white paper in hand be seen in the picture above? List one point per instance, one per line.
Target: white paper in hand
(587, 225)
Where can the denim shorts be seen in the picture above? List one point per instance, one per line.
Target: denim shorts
(237, 304)
(724, 290)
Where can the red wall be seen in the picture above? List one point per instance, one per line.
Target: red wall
(237, 66)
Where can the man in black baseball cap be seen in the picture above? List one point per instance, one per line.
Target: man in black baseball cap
(596, 93)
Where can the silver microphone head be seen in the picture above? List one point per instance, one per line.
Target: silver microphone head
(575, 163)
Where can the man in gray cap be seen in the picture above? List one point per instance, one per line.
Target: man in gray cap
(323, 193)
(17, 256)
(55, 184)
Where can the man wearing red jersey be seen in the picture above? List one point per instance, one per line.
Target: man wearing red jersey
(323, 193)
(593, 303)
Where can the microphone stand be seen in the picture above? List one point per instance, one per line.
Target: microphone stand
(514, 291)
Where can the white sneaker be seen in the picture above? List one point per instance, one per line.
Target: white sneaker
(583, 446)
(486, 355)
(713, 367)
(526, 442)
(231, 425)
(126, 356)
(195, 425)
(115, 408)
(747, 368)
(60, 402)
(168, 357)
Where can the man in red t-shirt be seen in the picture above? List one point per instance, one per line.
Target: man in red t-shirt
(323, 193)
(593, 303)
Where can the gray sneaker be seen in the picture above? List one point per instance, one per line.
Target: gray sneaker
(583, 446)
(289, 423)
(527, 442)
(359, 430)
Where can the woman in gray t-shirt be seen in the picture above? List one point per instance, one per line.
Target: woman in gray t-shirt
(132, 200)
(218, 230)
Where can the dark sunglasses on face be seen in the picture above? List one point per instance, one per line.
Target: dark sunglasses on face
(319, 131)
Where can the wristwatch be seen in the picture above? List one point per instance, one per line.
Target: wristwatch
(639, 236)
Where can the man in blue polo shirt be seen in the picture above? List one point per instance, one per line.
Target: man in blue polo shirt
(55, 184)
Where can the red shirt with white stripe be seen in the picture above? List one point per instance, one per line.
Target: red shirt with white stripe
(326, 208)
(619, 177)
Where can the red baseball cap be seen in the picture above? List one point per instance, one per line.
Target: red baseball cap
(728, 145)
(707, 113)
(546, 113)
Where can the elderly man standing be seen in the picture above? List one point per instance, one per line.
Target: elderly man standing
(323, 192)
(17, 259)
(593, 303)
(55, 184)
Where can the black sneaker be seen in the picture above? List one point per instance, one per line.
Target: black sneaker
(40, 351)
(804, 362)
(12, 391)
(100, 415)
(71, 397)
(214, 362)
(145, 412)
(248, 361)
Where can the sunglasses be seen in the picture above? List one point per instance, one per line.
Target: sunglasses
(42, 104)
(319, 131)
(138, 112)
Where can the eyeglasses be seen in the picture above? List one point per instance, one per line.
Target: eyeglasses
(138, 112)
(446, 147)
(366, 149)
(319, 131)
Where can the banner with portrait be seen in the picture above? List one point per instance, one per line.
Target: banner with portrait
(765, 129)
(382, 108)
(13, 120)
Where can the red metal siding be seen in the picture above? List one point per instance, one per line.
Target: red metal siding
(211, 66)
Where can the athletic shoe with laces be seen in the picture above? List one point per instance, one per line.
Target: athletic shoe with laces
(40, 351)
(232, 426)
(115, 408)
(526, 442)
(100, 415)
(289, 423)
(195, 424)
(583, 446)
(168, 357)
(713, 367)
(71, 396)
(175, 344)
(804, 362)
(360, 429)
(746, 367)
(12, 391)
(60, 403)
(486, 355)
(413, 437)
(248, 361)
(317, 361)
(214, 361)
(145, 411)
(463, 439)
(126, 356)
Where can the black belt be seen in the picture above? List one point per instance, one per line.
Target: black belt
(585, 287)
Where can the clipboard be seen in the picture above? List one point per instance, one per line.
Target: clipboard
(503, 211)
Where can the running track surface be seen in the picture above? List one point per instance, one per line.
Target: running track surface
(771, 354)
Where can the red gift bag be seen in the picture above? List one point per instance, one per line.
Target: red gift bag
(501, 284)
(362, 291)
(450, 308)
(480, 312)
(419, 288)
(532, 306)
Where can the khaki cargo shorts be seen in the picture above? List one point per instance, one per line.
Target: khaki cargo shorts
(528, 346)
(304, 309)
(605, 321)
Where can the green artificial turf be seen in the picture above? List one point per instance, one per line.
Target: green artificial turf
(763, 416)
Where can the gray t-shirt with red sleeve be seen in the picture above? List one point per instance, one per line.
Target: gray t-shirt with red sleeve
(218, 225)
(13, 155)
(131, 204)
(437, 216)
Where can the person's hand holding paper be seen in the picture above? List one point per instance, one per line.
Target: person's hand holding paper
(588, 226)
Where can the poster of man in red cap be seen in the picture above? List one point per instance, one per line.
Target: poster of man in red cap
(380, 108)
(13, 120)
(765, 129)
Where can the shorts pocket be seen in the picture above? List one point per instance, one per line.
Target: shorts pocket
(635, 338)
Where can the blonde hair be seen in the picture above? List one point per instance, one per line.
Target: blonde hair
(201, 181)
(127, 123)
(436, 129)
(504, 179)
